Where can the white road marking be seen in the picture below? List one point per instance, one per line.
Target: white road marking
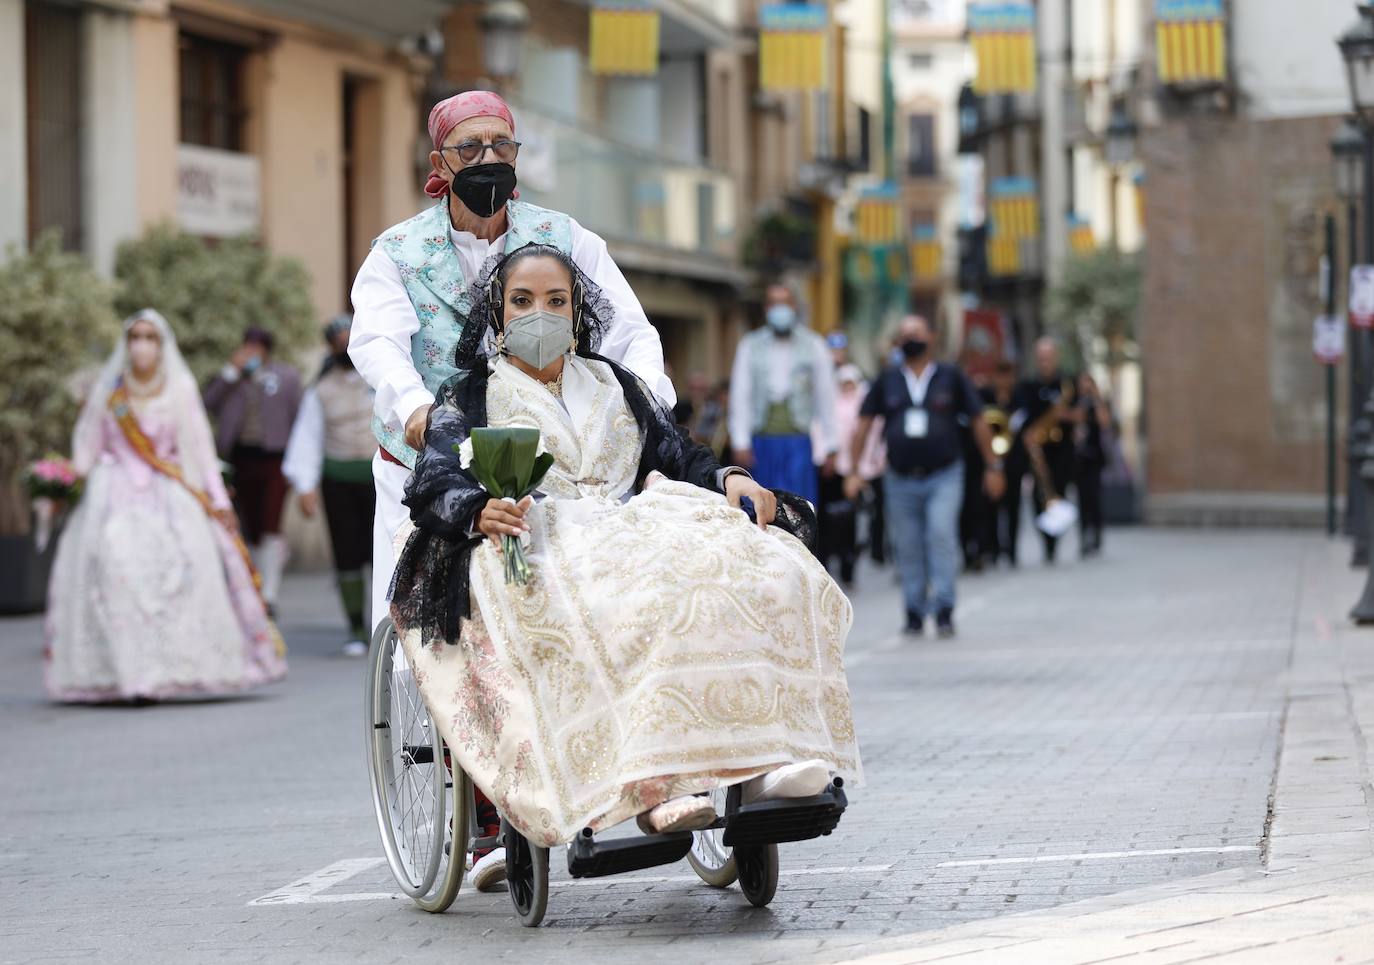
(1098, 856)
(307, 891)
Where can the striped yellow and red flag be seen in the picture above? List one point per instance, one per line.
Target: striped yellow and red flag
(624, 38)
(878, 217)
(1003, 39)
(927, 254)
(1190, 41)
(792, 46)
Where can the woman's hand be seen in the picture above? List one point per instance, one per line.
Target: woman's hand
(739, 486)
(501, 518)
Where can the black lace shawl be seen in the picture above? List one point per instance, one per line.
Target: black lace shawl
(430, 590)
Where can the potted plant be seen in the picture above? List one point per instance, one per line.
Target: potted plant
(56, 320)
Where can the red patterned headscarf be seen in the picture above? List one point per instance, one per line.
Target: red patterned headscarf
(449, 113)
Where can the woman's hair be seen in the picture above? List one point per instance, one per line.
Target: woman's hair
(592, 311)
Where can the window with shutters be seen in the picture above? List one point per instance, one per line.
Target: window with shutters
(52, 94)
(213, 102)
(920, 146)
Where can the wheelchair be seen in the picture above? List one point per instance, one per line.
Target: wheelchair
(427, 817)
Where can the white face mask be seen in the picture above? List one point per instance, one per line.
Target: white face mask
(143, 353)
(782, 318)
(539, 338)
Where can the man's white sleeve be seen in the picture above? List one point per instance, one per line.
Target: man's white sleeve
(304, 456)
(631, 340)
(383, 323)
(825, 397)
(741, 405)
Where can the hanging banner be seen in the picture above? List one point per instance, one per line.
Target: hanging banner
(1013, 220)
(1003, 39)
(927, 254)
(1081, 239)
(878, 217)
(985, 342)
(1328, 339)
(1190, 41)
(1362, 296)
(792, 46)
(624, 38)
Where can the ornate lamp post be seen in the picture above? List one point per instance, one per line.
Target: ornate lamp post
(1357, 50)
(503, 24)
(1347, 153)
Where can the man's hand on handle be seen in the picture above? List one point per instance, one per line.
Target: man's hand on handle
(415, 427)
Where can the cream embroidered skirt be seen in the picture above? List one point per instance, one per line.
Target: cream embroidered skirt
(665, 645)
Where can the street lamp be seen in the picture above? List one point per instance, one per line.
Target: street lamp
(1357, 50)
(1347, 152)
(503, 25)
(1347, 155)
(1121, 133)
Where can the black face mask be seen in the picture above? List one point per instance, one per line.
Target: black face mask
(341, 360)
(914, 348)
(484, 188)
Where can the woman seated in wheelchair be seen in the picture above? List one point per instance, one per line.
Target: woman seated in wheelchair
(665, 645)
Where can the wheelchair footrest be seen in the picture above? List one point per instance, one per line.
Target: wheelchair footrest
(589, 858)
(790, 819)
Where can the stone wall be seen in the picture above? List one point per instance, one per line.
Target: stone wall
(1234, 213)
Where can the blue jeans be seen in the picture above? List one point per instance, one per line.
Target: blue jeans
(923, 520)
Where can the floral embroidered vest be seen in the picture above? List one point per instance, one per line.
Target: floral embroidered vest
(422, 249)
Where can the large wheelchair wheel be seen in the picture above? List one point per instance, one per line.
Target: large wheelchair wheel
(710, 857)
(418, 798)
(756, 864)
(527, 876)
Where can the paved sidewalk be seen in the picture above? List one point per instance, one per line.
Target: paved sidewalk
(1099, 747)
(1313, 899)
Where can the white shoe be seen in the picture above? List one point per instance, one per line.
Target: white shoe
(355, 648)
(687, 813)
(489, 870)
(805, 779)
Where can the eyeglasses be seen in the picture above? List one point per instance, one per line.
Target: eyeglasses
(470, 152)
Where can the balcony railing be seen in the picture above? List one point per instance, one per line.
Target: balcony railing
(624, 193)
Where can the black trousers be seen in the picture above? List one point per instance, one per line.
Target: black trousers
(1089, 484)
(1060, 460)
(838, 518)
(348, 508)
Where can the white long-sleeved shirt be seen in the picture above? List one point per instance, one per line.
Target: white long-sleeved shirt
(384, 322)
(781, 364)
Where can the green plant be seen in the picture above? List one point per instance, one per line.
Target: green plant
(56, 319)
(1094, 305)
(211, 293)
(779, 239)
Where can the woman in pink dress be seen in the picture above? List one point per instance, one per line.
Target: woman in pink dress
(152, 593)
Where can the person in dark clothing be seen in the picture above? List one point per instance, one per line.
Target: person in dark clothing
(920, 402)
(976, 506)
(1000, 523)
(1044, 411)
(1090, 458)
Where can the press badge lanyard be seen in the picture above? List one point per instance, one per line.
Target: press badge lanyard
(917, 421)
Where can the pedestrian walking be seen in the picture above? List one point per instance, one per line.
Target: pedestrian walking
(1044, 420)
(1001, 524)
(329, 458)
(152, 593)
(254, 400)
(920, 402)
(1092, 442)
(782, 382)
(839, 515)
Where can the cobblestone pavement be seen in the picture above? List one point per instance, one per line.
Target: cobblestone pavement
(1097, 727)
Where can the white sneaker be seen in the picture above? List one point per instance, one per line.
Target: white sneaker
(805, 779)
(489, 870)
(355, 648)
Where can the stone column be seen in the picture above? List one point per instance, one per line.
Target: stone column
(14, 207)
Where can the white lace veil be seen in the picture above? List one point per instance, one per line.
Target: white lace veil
(195, 445)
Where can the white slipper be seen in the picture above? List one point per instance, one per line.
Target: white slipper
(805, 779)
(687, 813)
(489, 870)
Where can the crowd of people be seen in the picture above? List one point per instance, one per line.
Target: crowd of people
(922, 462)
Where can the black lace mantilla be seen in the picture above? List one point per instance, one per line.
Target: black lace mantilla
(430, 590)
